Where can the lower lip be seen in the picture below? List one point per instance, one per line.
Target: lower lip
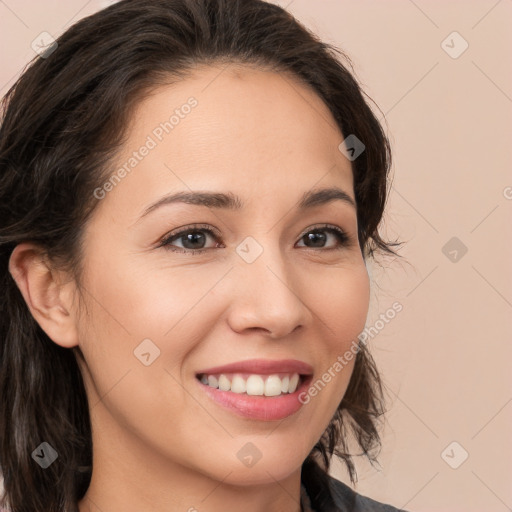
(264, 408)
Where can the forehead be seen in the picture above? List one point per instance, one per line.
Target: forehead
(228, 127)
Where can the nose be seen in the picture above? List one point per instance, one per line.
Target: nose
(268, 296)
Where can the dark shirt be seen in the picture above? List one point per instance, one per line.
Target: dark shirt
(346, 500)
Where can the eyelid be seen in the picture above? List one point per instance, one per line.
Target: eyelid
(323, 226)
(185, 229)
(192, 227)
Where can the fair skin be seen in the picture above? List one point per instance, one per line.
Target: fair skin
(160, 442)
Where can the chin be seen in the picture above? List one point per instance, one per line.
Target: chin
(250, 465)
(260, 474)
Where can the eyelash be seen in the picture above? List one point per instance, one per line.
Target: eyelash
(343, 238)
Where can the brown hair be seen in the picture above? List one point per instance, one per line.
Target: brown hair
(62, 123)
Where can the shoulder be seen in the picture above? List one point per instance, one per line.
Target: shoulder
(348, 500)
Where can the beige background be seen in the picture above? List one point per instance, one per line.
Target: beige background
(446, 357)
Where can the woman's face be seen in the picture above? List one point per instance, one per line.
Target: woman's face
(247, 285)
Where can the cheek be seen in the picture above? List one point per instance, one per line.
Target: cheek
(342, 309)
(140, 317)
(138, 333)
(132, 302)
(343, 305)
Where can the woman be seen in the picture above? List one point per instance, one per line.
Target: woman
(190, 191)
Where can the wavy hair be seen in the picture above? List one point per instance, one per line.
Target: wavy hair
(62, 123)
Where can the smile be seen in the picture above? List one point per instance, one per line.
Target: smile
(253, 384)
(259, 389)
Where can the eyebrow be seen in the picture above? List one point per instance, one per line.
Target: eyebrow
(233, 202)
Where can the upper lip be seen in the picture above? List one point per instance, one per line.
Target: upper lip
(262, 366)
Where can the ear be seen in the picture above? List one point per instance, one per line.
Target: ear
(48, 298)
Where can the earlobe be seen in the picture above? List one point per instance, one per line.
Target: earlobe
(44, 293)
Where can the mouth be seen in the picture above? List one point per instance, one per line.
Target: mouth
(276, 384)
(255, 389)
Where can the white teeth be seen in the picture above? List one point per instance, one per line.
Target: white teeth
(224, 384)
(238, 384)
(255, 385)
(294, 381)
(273, 386)
(285, 381)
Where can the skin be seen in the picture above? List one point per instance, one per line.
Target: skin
(160, 442)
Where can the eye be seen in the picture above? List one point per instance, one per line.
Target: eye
(195, 237)
(318, 238)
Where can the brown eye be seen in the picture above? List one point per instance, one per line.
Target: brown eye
(318, 237)
(193, 240)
